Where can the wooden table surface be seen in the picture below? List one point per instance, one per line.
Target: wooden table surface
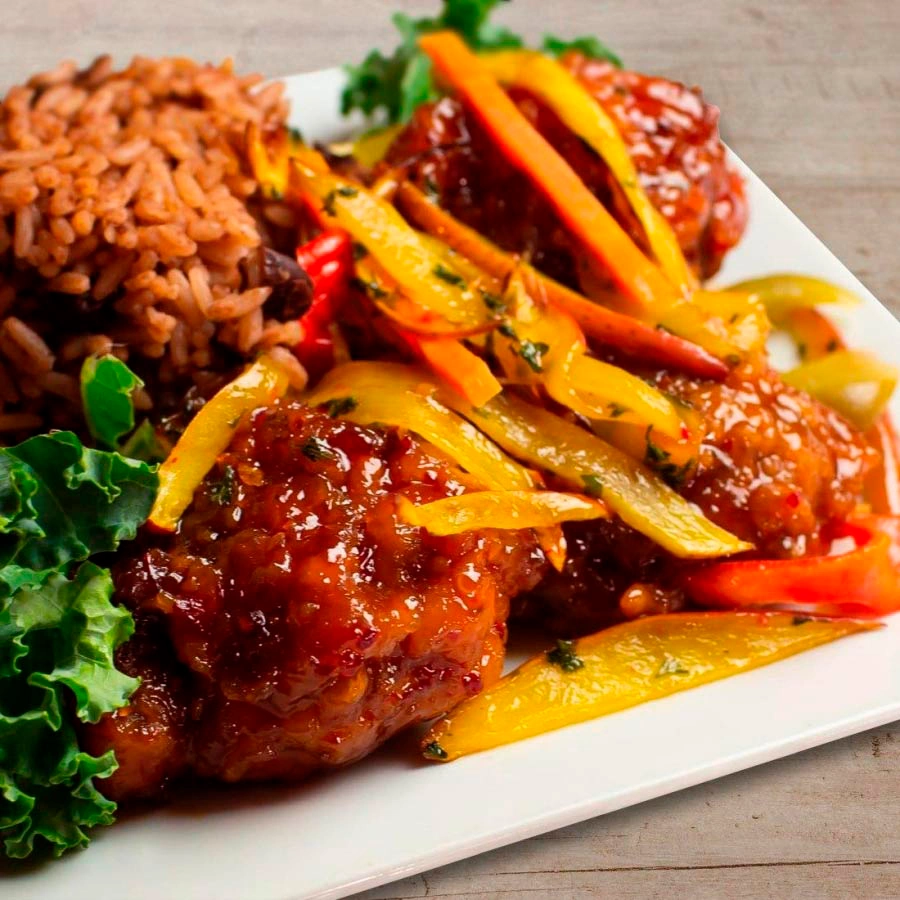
(810, 91)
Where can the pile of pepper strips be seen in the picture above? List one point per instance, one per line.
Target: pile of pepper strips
(448, 297)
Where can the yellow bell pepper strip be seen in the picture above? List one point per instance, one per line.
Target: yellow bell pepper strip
(639, 497)
(402, 396)
(270, 159)
(370, 148)
(420, 273)
(782, 293)
(626, 334)
(621, 667)
(544, 345)
(726, 319)
(453, 363)
(862, 582)
(508, 510)
(563, 93)
(208, 434)
(595, 228)
(855, 384)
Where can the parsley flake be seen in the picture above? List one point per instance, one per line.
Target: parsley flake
(564, 656)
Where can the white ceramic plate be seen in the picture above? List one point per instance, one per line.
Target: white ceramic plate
(392, 816)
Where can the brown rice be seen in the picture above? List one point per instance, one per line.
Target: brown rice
(129, 223)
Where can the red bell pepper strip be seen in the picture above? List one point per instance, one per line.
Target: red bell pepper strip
(328, 260)
(862, 582)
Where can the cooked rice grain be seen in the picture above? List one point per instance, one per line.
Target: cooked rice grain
(127, 221)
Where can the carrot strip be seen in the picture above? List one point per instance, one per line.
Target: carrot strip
(628, 335)
(603, 238)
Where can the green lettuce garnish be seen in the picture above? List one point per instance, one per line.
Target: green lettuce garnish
(56, 652)
(106, 388)
(61, 502)
(397, 84)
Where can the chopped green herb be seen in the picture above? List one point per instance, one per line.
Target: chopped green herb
(328, 203)
(434, 751)
(340, 406)
(732, 360)
(359, 251)
(449, 276)
(533, 354)
(655, 455)
(493, 302)
(733, 318)
(370, 288)
(593, 485)
(295, 135)
(432, 191)
(616, 409)
(507, 331)
(800, 620)
(315, 449)
(345, 190)
(831, 346)
(222, 492)
(564, 656)
(671, 666)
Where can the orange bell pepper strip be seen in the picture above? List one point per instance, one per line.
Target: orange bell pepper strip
(638, 496)
(628, 335)
(403, 396)
(862, 582)
(457, 366)
(813, 334)
(208, 434)
(508, 510)
(562, 92)
(594, 227)
(621, 667)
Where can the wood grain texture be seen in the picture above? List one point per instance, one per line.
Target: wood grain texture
(810, 92)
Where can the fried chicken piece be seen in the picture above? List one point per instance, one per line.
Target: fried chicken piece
(674, 141)
(313, 623)
(775, 467)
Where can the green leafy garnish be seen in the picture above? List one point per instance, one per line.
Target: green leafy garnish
(106, 388)
(60, 502)
(396, 85)
(593, 485)
(564, 656)
(589, 46)
(56, 651)
(434, 751)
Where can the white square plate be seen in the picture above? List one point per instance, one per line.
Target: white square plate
(392, 816)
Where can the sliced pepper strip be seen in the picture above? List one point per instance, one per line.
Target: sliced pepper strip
(621, 667)
(402, 396)
(862, 582)
(640, 498)
(883, 483)
(856, 384)
(581, 113)
(509, 510)
(784, 292)
(626, 334)
(596, 229)
(208, 434)
(814, 334)
(420, 273)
